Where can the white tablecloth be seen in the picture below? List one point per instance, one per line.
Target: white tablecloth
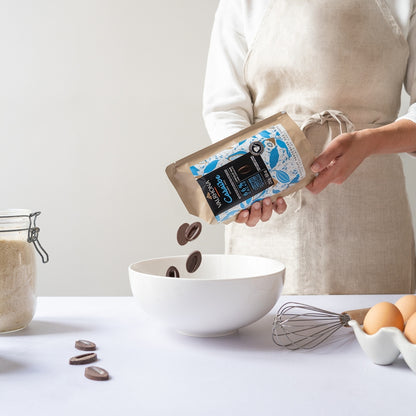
(155, 371)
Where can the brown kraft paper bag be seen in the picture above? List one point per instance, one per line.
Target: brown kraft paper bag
(271, 158)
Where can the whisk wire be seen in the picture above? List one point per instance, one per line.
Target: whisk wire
(300, 326)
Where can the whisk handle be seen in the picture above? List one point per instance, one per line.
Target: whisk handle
(357, 315)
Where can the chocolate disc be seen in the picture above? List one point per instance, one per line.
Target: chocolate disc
(83, 359)
(96, 373)
(193, 261)
(172, 272)
(84, 345)
(192, 232)
(180, 235)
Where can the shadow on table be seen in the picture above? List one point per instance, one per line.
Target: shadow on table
(258, 337)
(37, 327)
(10, 366)
(399, 364)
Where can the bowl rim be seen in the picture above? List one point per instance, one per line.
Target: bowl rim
(184, 256)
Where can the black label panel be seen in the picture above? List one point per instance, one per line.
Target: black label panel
(235, 182)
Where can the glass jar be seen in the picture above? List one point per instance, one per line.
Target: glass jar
(18, 239)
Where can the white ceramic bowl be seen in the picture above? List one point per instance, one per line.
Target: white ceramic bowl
(227, 292)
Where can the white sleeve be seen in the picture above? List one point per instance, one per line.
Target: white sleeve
(410, 79)
(227, 104)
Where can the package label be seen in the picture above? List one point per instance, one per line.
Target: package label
(255, 168)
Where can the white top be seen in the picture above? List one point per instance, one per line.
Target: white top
(155, 371)
(227, 106)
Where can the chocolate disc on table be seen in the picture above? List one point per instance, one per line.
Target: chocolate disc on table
(193, 261)
(192, 231)
(96, 373)
(172, 272)
(90, 357)
(84, 345)
(180, 235)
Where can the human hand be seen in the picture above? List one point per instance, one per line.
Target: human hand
(339, 160)
(261, 211)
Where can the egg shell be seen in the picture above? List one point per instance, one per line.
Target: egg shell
(383, 314)
(410, 329)
(407, 306)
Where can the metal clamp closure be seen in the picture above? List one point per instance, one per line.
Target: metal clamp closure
(32, 237)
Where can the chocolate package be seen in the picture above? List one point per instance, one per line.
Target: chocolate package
(271, 158)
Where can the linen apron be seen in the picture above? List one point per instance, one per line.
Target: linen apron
(334, 66)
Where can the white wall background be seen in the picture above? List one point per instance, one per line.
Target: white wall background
(96, 98)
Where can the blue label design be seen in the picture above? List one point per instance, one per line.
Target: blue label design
(237, 177)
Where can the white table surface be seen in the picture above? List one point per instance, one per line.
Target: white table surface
(155, 371)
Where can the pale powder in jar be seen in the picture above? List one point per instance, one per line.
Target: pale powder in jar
(17, 284)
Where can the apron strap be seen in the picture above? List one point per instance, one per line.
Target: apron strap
(329, 115)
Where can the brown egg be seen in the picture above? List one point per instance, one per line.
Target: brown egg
(410, 329)
(407, 306)
(381, 315)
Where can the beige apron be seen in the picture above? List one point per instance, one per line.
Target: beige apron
(334, 65)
